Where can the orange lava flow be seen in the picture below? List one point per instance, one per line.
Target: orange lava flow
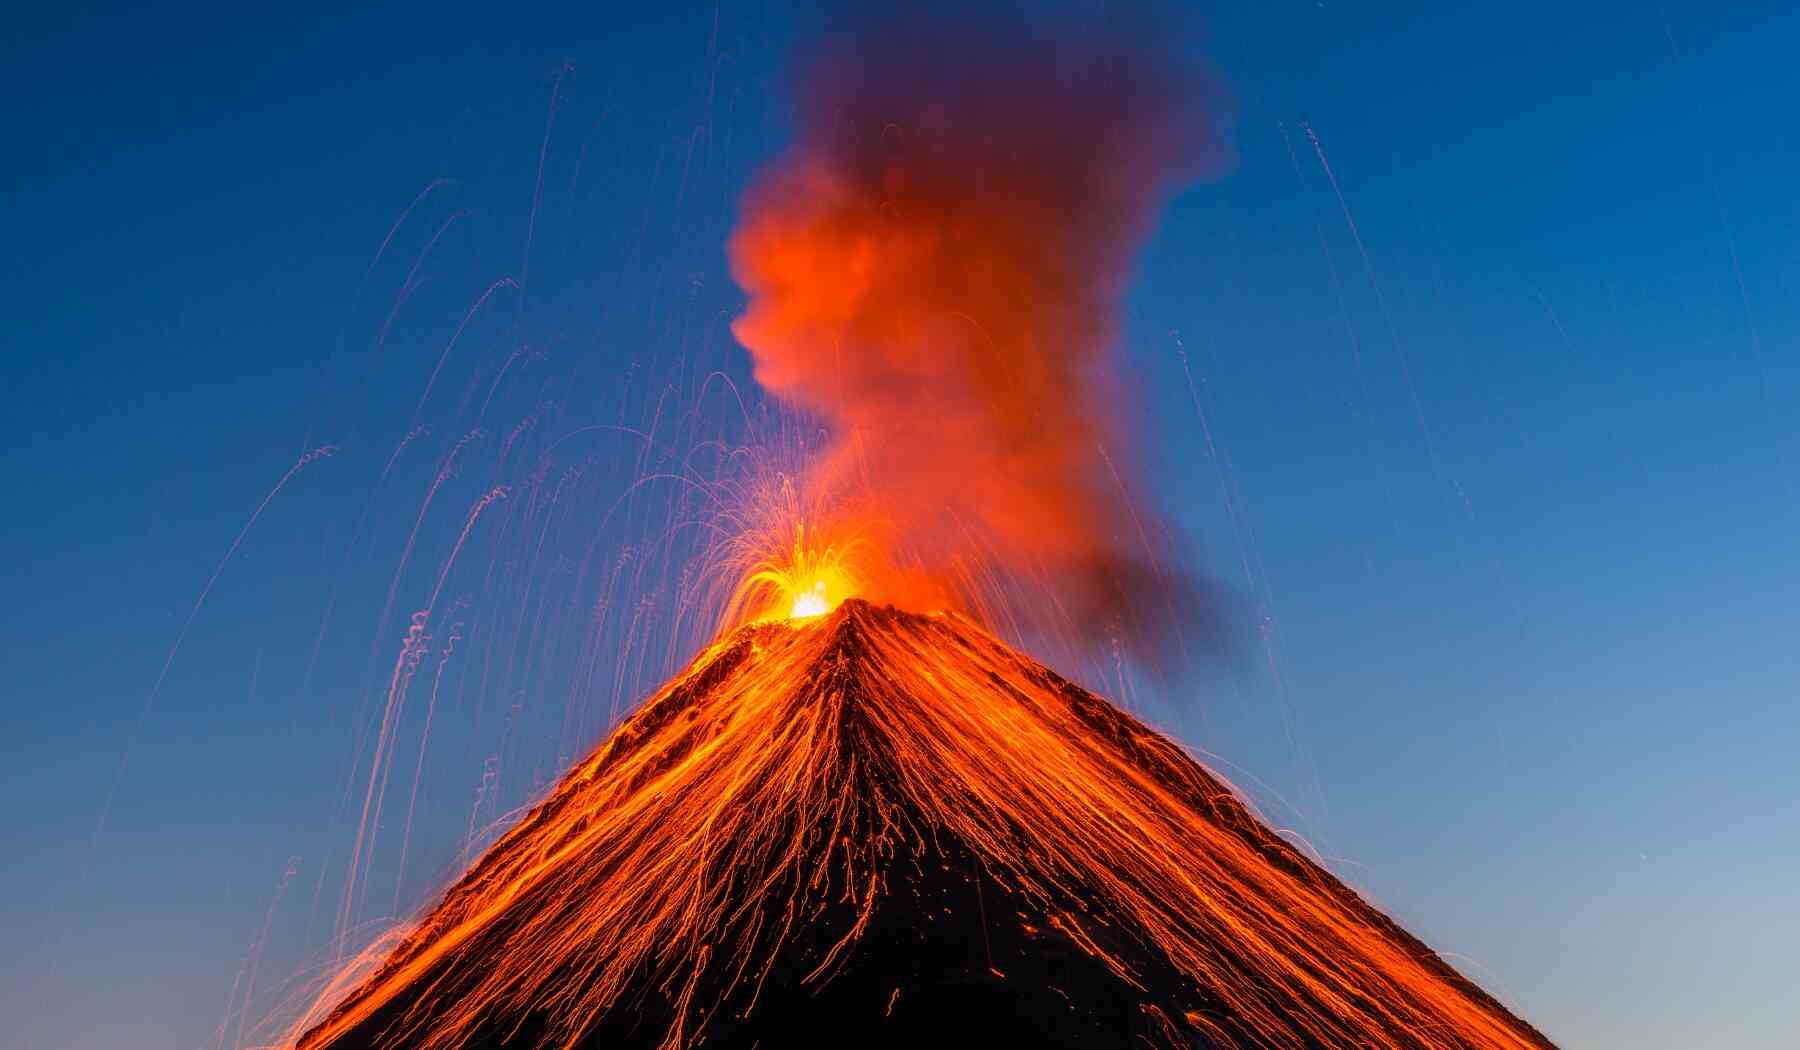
(788, 767)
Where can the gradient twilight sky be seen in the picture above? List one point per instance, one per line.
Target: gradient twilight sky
(1507, 490)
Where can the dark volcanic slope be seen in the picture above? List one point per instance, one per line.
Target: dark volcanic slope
(876, 827)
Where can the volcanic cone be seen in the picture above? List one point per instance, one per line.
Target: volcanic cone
(876, 827)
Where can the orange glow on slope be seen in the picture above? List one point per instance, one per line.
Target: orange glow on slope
(789, 766)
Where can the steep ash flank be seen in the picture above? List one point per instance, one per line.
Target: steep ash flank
(891, 828)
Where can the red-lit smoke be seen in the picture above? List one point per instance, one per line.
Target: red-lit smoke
(935, 269)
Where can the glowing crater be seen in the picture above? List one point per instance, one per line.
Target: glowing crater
(811, 603)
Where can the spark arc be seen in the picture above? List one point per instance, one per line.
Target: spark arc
(892, 828)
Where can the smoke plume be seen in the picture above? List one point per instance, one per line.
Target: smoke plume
(934, 270)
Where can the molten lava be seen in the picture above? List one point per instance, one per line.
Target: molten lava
(893, 828)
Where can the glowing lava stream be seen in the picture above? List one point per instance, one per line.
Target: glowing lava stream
(813, 794)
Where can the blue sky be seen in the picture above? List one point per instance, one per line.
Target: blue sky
(1507, 487)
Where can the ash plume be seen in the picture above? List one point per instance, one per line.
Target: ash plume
(935, 270)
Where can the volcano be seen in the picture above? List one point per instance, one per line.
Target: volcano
(881, 828)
